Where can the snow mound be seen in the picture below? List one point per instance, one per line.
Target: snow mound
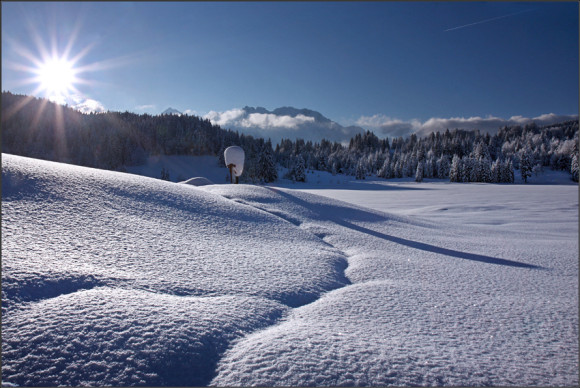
(198, 181)
(109, 337)
(72, 236)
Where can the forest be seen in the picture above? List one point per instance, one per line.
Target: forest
(39, 128)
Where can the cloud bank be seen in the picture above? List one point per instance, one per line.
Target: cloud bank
(386, 126)
(292, 124)
(241, 119)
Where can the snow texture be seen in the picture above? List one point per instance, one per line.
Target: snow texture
(116, 279)
(431, 302)
(96, 253)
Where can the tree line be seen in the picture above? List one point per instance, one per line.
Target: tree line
(38, 128)
(457, 155)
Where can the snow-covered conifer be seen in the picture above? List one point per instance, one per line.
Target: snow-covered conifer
(442, 167)
(467, 167)
(525, 164)
(300, 169)
(385, 170)
(419, 172)
(495, 173)
(509, 172)
(455, 171)
(429, 167)
(266, 166)
(574, 168)
(485, 170)
(360, 170)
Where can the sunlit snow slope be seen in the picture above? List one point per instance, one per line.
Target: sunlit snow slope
(117, 279)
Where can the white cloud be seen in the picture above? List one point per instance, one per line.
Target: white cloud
(272, 121)
(85, 105)
(386, 126)
(228, 118)
(239, 118)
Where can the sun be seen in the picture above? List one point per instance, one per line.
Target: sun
(56, 77)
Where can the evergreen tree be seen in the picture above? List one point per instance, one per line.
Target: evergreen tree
(508, 171)
(334, 169)
(429, 168)
(574, 168)
(266, 167)
(525, 164)
(466, 169)
(360, 170)
(92, 140)
(455, 171)
(385, 170)
(485, 170)
(398, 170)
(419, 172)
(442, 167)
(495, 173)
(300, 169)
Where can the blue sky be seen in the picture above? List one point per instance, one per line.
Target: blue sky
(350, 61)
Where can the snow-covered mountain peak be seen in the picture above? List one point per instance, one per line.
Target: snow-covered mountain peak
(289, 111)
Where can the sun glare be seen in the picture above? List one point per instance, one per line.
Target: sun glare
(56, 77)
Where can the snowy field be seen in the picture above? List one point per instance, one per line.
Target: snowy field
(119, 279)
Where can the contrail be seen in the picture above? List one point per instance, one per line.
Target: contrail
(488, 20)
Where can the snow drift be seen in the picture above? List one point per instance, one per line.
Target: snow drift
(116, 279)
(198, 181)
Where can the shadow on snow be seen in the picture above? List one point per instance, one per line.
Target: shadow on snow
(409, 243)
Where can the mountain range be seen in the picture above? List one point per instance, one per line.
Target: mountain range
(283, 123)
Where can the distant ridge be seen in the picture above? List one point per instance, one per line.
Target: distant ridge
(289, 111)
